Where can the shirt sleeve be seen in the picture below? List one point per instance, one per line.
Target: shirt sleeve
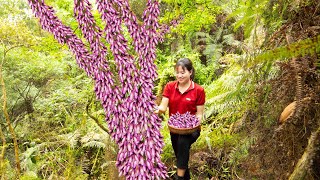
(166, 91)
(201, 96)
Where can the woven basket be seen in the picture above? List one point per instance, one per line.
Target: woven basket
(183, 131)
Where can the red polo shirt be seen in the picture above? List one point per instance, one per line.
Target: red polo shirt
(188, 101)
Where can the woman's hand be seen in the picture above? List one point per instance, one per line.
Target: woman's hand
(156, 111)
(163, 106)
(199, 113)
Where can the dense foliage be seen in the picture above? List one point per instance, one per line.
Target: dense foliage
(252, 57)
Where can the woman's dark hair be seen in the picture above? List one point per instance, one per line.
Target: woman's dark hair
(186, 63)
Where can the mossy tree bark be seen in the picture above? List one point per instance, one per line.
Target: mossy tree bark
(3, 150)
(6, 115)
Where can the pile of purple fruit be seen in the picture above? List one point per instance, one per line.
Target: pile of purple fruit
(185, 120)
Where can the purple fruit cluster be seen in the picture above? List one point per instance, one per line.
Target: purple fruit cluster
(185, 120)
(126, 95)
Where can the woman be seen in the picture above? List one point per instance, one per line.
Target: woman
(181, 96)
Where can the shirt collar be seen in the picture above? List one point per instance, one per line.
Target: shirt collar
(190, 87)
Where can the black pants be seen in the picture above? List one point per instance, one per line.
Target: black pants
(181, 145)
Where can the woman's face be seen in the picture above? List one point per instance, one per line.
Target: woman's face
(182, 75)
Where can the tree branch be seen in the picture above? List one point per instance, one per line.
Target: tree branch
(21, 93)
(5, 51)
(94, 118)
(304, 165)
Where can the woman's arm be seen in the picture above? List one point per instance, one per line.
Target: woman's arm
(199, 114)
(162, 108)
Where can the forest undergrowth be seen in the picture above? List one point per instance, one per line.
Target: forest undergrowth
(279, 145)
(61, 131)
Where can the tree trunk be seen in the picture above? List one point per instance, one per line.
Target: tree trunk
(304, 165)
(3, 150)
(6, 115)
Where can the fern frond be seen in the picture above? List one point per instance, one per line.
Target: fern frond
(92, 136)
(248, 15)
(71, 138)
(94, 144)
(230, 40)
(213, 51)
(94, 140)
(107, 163)
(227, 93)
